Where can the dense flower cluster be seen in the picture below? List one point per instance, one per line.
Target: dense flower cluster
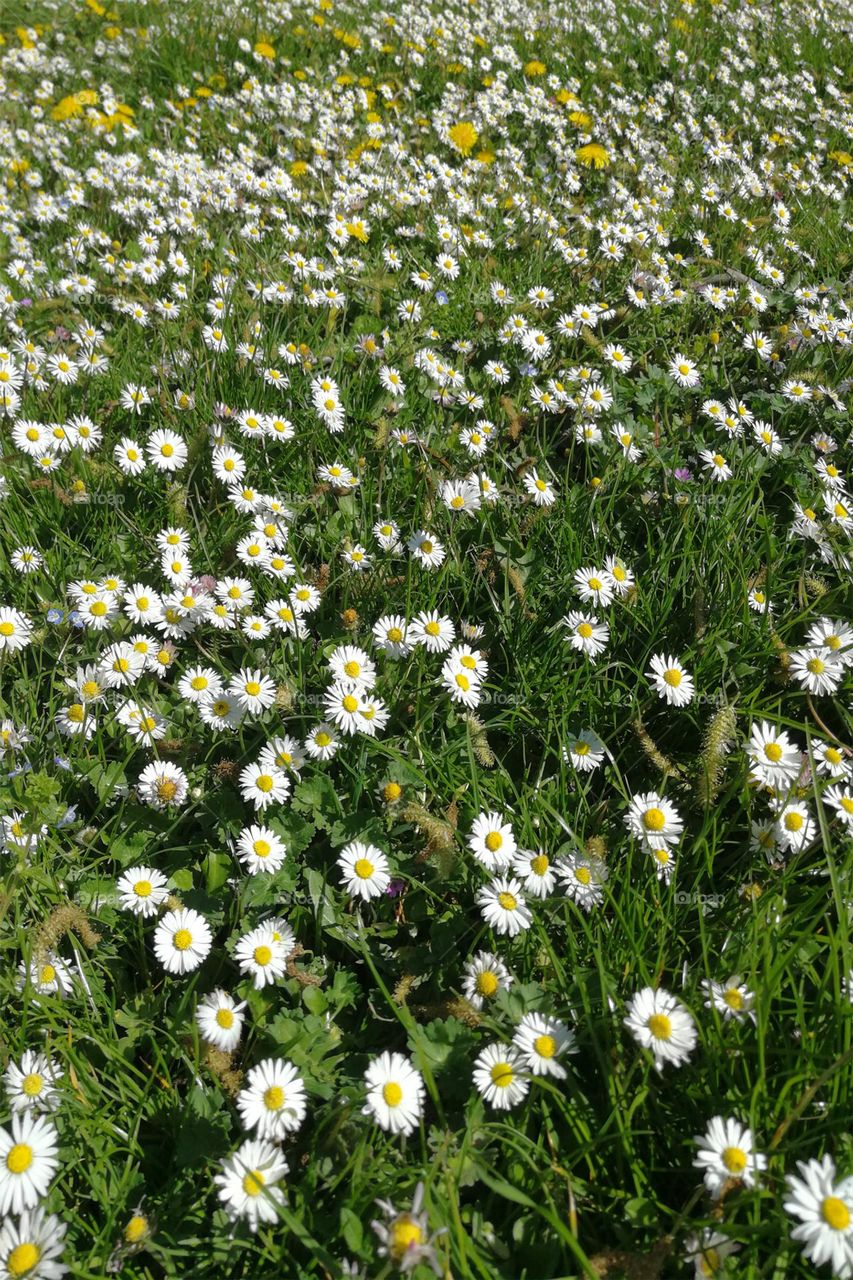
(424, 578)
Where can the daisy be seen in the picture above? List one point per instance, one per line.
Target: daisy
(684, 371)
(841, 799)
(708, 1253)
(220, 1020)
(541, 492)
(254, 692)
(586, 634)
(795, 827)
(395, 1093)
(162, 784)
(182, 941)
(485, 976)
(272, 1101)
(426, 549)
(715, 465)
(248, 1183)
(199, 685)
(585, 751)
(726, 1154)
(264, 785)
(540, 1040)
(830, 761)
(15, 630)
(364, 869)
(142, 890)
(501, 1076)
(322, 742)
(262, 955)
(835, 636)
(503, 907)
(582, 878)
(33, 1084)
(50, 976)
(166, 451)
(260, 849)
(342, 703)
(434, 631)
(775, 759)
(390, 635)
(595, 585)
(824, 1208)
(671, 681)
(535, 871)
(28, 1160)
(32, 1247)
(492, 842)
(654, 820)
(817, 670)
(732, 1000)
(660, 1023)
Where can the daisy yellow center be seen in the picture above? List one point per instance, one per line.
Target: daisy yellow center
(183, 940)
(816, 666)
(7, 628)
(833, 756)
(793, 821)
(395, 635)
(253, 688)
(136, 1229)
(392, 1094)
(595, 584)
(508, 901)
(23, 1258)
(502, 1075)
(253, 1183)
(581, 748)
(539, 865)
(585, 630)
(32, 1084)
(773, 752)
(274, 1098)
(654, 819)
(404, 1235)
(735, 1159)
(198, 683)
(541, 485)
(98, 609)
(76, 713)
(20, 1158)
(832, 642)
(350, 704)
(142, 888)
(262, 848)
(660, 1026)
(90, 689)
(265, 783)
(672, 677)
(719, 460)
(363, 869)
(47, 974)
(545, 1046)
(487, 983)
(224, 1019)
(583, 875)
(426, 547)
(352, 669)
(323, 739)
(167, 789)
(733, 998)
(167, 450)
(835, 1213)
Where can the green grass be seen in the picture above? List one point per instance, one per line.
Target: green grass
(591, 1176)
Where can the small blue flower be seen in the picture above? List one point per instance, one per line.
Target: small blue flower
(61, 762)
(69, 816)
(441, 298)
(55, 615)
(76, 619)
